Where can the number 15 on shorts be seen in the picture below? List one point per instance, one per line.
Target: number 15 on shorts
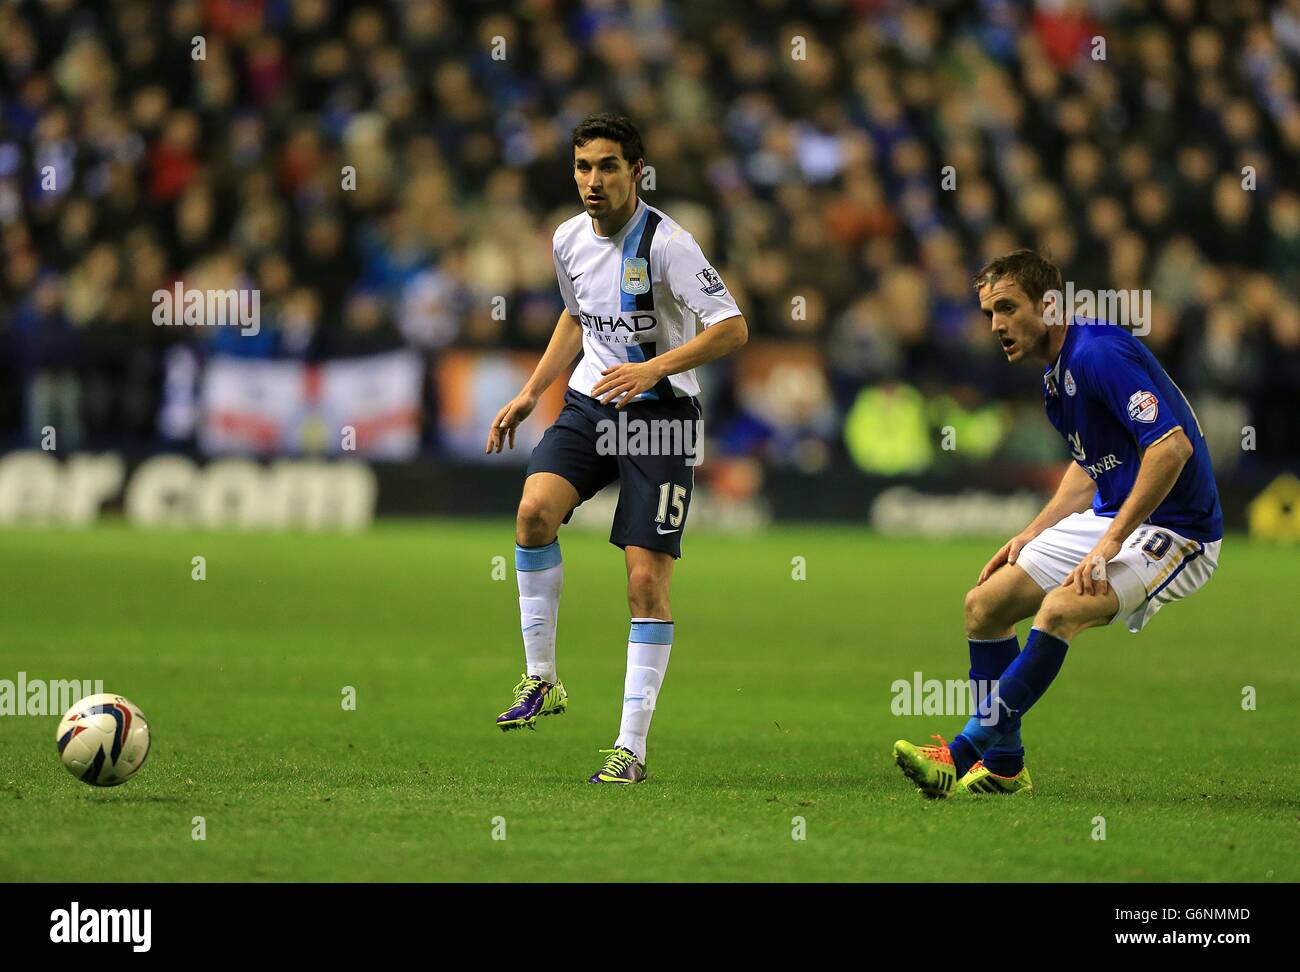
(671, 496)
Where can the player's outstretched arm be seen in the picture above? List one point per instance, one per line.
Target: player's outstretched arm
(623, 383)
(564, 346)
(1073, 495)
(1162, 464)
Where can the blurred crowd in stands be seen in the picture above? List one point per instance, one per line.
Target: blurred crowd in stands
(384, 172)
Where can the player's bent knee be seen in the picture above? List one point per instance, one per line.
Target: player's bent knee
(976, 610)
(647, 596)
(1050, 618)
(985, 614)
(1064, 613)
(536, 523)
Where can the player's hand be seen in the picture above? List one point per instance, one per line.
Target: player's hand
(624, 382)
(1090, 576)
(1007, 554)
(507, 419)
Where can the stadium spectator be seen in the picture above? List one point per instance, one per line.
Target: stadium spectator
(807, 141)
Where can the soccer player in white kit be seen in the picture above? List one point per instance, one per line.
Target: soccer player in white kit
(644, 307)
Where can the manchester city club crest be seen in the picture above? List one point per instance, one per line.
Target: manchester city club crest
(636, 275)
(1070, 387)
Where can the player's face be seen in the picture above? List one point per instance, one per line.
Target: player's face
(603, 176)
(1016, 322)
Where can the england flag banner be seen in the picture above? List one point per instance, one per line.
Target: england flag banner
(367, 407)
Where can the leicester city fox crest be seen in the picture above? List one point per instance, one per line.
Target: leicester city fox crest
(636, 275)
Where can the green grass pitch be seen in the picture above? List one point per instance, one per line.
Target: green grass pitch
(776, 706)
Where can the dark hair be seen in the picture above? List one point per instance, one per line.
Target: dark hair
(616, 128)
(1032, 273)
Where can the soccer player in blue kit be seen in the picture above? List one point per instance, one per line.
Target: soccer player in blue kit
(645, 308)
(1135, 522)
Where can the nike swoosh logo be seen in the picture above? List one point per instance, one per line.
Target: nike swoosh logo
(663, 531)
(532, 626)
(576, 276)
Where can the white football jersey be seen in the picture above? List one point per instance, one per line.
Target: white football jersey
(637, 294)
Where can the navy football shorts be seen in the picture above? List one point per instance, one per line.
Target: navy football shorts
(654, 489)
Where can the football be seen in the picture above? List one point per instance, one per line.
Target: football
(103, 739)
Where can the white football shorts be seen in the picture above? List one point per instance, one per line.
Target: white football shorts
(1155, 565)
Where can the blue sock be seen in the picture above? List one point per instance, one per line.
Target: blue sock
(988, 660)
(1021, 685)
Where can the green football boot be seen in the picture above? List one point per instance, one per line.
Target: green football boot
(621, 766)
(931, 768)
(981, 779)
(534, 698)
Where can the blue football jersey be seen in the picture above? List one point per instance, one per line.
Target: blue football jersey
(1110, 399)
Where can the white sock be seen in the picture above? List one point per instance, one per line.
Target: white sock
(648, 646)
(541, 578)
